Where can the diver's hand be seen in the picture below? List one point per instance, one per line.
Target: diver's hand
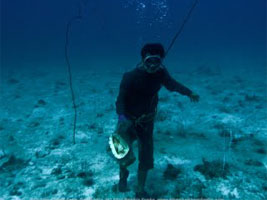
(123, 123)
(194, 97)
(122, 118)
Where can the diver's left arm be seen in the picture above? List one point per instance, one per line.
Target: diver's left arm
(172, 85)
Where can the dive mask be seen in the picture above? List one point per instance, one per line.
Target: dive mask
(152, 63)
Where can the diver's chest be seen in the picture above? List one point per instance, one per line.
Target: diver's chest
(147, 85)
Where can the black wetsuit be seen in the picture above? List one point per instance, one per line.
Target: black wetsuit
(138, 95)
(139, 91)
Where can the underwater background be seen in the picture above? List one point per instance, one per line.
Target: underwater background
(215, 148)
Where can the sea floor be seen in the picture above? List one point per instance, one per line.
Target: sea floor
(215, 148)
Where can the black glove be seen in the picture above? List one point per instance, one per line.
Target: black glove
(123, 124)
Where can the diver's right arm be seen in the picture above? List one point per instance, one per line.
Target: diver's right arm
(120, 102)
(123, 122)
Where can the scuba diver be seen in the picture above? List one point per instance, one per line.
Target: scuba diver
(136, 108)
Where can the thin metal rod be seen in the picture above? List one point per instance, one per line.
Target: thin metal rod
(78, 17)
(70, 76)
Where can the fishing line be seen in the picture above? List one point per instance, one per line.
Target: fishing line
(181, 27)
(69, 24)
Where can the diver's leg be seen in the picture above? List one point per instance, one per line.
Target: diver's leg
(141, 177)
(126, 161)
(146, 160)
(124, 173)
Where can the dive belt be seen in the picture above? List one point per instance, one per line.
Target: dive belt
(145, 118)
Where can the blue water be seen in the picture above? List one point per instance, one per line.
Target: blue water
(215, 148)
(227, 33)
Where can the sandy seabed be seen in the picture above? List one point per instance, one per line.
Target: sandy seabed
(213, 149)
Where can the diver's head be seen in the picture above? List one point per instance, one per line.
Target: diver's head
(152, 56)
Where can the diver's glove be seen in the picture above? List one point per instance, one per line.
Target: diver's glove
(194, 97)
(123, 123)
(122, 118)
